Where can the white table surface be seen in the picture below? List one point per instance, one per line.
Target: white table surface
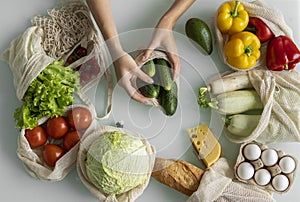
(167, 134)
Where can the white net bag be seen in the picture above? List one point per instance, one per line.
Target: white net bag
(269, 15)
(218, 184)
(130, 195)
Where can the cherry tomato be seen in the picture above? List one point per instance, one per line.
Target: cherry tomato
(57, 127)
(85, 77)
(72, 58)
(36, 137)
(79, 118)
(51, 153)
(71, 139)
(95, 70)
(80, 52)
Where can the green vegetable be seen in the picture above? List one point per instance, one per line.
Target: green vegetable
(198, 31)
(164, 72)
(232, 102)
(168, 99)
(242, 124)
(148, 90)
(149, 68)
(117, 162)
(48, 95)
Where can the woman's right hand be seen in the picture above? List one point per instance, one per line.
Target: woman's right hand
(126, 70)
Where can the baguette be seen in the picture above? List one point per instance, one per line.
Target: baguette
(177, 174)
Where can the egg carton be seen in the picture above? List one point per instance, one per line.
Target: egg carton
(269, 169)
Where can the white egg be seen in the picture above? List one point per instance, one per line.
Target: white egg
(269, 157)
(252, 152)
(262, 177)
(245, 171)
(280, 182)
(287, 164)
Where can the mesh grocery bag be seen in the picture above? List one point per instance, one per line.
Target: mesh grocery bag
(156, 54)
(280, 95)
(270, 15)
(218, 184)
(85, 144)
(67, 27)
(33, 161)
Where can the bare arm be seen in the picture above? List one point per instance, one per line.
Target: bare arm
(163, 36)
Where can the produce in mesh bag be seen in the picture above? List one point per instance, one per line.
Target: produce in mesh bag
(115, 164)
(164, 91)
(62, 138)
(278, 119)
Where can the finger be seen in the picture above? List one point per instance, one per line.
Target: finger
(134, 94)
(143, 76)
(174, 59)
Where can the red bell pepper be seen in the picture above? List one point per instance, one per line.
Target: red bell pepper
(282, 54)
(260, 29)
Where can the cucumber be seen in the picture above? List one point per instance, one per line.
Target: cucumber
(149, 68)
(168, 99)
(148, 90)
(198, 31)
(164, 72)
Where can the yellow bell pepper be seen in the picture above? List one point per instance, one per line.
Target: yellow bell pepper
(242, 50)
(232, 17)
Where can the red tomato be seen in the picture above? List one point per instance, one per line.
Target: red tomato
(80, 52)
(95, 70)
(36, 137)
(71, 139)
(51, 153)
(85, 77)
(79, 118)
(57, 127)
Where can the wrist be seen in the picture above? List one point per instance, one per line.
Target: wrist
(115, 48)
(166, 22)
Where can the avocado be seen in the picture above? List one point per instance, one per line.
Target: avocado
(198, 31)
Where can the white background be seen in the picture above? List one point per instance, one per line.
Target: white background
(167, 134)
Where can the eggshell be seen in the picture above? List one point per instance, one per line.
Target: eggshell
(269, 157)
(262, 177)
(280, 182)
(252, 152)
(287, 164)
(245, 171)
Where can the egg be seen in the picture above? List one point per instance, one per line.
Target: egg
(269, 157)
(262, 177)
(245, 171)
(280, 182)
(252, 152)
(287, 164)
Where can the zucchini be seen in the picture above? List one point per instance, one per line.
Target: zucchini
(233, 102)
(242, 124)
(168, 99)
(149, 68)
(164, 72)
(148, 90)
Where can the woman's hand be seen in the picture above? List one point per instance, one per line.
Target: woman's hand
(126, 69)
(163, 39)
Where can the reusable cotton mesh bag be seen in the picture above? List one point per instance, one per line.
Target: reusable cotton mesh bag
(218, 184)
(34, 163)
(85, 144)
(280, 95)
(270, 15)
(54, 37)
(156, 54)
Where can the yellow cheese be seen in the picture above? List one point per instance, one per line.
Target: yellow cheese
(205, 143)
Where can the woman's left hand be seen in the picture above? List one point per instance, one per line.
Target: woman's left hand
(163, 39)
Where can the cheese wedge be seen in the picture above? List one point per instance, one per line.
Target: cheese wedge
(205, 144)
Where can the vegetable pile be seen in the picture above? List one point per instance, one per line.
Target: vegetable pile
(234, 98)
(247, 34)
(48, 95)
(164, 88)
(59, 134)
